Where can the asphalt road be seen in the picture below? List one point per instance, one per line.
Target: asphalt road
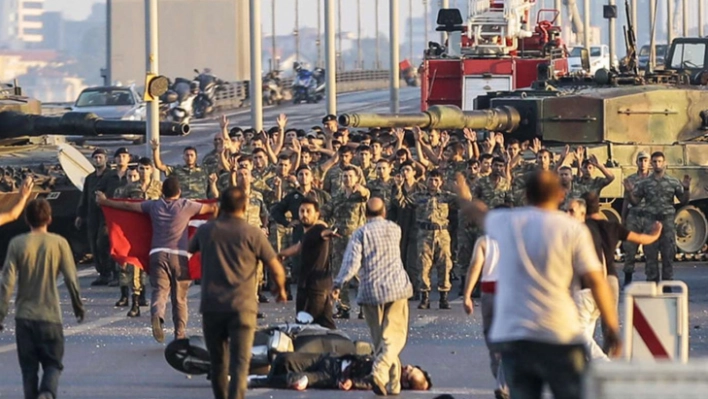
(110, 356)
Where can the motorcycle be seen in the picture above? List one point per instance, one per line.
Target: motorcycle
(308, 86)
(272, 88)
(209, 84)
(190, 356)
(177, 103)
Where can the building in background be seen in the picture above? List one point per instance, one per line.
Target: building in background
(21, 23)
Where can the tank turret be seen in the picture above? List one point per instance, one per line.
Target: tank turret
(17, 124)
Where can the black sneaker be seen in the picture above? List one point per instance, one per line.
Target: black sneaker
(341, 314)
(378, 386)
(262, 298)
(101, 281)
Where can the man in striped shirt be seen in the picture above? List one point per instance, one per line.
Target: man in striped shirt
(374, 253)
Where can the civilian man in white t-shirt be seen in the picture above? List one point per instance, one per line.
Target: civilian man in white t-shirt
(541, 252)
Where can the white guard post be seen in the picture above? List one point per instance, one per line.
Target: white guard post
(655, 323)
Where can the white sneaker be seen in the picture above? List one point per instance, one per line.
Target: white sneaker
(300, 384)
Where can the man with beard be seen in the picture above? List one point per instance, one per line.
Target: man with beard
(90, 213)
(314, 280)
(543, 163)
(193, 180)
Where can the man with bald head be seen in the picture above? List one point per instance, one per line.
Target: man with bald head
(537, 327)
(374, 254)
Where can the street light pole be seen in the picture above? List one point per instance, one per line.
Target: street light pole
(319, 33)
(586, 24)
(340, 50)
(701, 16)
(410, 31)
(669, 21)
(443, 35)
(684, 14)
(274, 64)
(378, 44)
(613, 36)
(296, 31)
(256, 91)
(151, 61)
(107, 79)
(426, 11)
(330, 59)
(393, 34)
(359, 59)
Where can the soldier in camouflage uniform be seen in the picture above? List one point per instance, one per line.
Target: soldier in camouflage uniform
(279, 186)
(518, 186)
(193, 180)
(586, 183)
(432, 211)
(261, 171)
(257, 216)
(347, 212)
(333, 177)
(131, 277)
(634, 216)
(382, 186)
(494, 190)
(658, 192)
(363, 153)
(467, 232)
(573, 190)
(403, 213)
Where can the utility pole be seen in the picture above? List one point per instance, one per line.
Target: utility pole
(613, 34)
(669, 21)
(340, 50)
(256, 91)
(359, 59)
(701, 16)
(378, 43)
(558, 6)
(393, 35)
(634, 16)
(152, 67)
(319, 33)
(274, 63)
(107, 79)
(426, 13)
(296, 31)
(410, 31)
(586, 27)
(330, 59)
(684, 13)
(652, 34)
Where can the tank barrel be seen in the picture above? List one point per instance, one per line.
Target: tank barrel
(500, 119)
(15, 124)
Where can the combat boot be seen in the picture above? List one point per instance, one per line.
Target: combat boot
(141, 298)
(424, 300)
(444, 304)
(135, 309)
(123, 301)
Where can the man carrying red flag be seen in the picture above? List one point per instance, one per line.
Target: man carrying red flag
(168, 265)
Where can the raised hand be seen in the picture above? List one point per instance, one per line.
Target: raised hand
(223, 122)
(281, 121)
(686, 182)
(154, 144)
(470, 135)
(27, 186)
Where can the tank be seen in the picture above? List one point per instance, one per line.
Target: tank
(614, 116)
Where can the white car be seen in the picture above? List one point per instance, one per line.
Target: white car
(111, 102)
(599, 58)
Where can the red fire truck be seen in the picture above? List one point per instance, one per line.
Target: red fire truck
(493, 51)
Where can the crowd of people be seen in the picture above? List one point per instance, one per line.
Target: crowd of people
(376, 211)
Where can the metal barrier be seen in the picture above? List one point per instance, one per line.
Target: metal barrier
(235, 95)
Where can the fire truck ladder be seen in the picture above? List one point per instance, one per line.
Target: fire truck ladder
(491, 22)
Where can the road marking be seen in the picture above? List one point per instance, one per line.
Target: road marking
(102, 322)
(423, 321)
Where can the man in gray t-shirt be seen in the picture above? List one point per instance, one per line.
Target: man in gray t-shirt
(169, 269)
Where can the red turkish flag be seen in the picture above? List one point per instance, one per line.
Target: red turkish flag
(130, 235)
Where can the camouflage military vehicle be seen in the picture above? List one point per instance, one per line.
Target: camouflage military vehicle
(28, 147)
(614, 115)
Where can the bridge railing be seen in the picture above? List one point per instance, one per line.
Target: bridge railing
(235, 94)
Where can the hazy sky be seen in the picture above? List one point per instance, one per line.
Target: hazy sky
(285, 13)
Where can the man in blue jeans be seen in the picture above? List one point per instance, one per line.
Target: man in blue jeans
(536, 325)
(34, 260)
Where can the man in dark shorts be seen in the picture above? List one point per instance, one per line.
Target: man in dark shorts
(299, 371)
(231, 249)
(314, 281)
(34, 260)
(169, 261)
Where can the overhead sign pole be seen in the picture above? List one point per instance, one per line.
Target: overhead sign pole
(151, 59)
(256, 90)
(395, 56)
(330, 59)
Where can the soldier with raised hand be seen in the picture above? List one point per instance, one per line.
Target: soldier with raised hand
(210, 162)
(129, 276)
(193, 179)
(634, 216)
(658, 192)
(584, 179)
(432, 211)
(333, 178)
(347, 211)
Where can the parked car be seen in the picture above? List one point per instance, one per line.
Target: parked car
(599, 58)
(661, 50)
(111, 102)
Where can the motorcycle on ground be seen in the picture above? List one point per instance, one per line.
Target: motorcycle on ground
(190, 356)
